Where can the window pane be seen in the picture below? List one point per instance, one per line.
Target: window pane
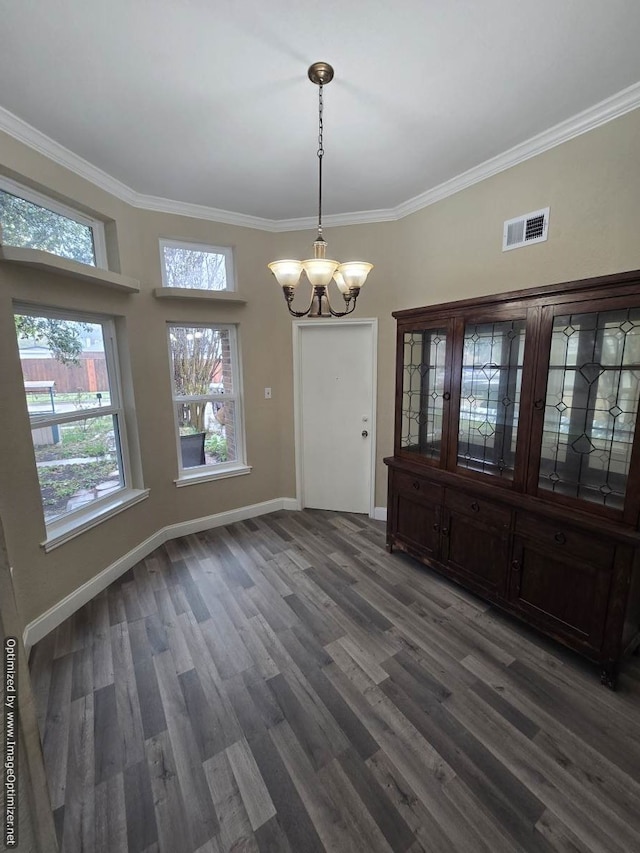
(31, 226)
(591, 404)
(77, 463)
(201, 362)
(199, 268)
(63, 365)
(422, 390)
(207, 433)
(490, 396)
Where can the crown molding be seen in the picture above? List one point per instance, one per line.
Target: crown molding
(27, 134)
(611, 108)
(360, 217)
(200, 211)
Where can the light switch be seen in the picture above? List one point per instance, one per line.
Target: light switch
(267, 393)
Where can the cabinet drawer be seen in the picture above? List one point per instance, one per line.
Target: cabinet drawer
(566, 540)
(417, 486)
(479, 509)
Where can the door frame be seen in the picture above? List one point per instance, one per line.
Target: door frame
(298, 327)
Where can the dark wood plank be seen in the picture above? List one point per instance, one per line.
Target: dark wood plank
(515, 717)
(150, 702)
(209, 738)
(311, 737)
(156, 633)
(174, 832)
(329, 822)
(292, 814)
(56, 729)
(235, 826)
(109, 759)
(79, 817)
(255, 796)
(271, 838)
(319, 624)
(246, 712)
(102, 656)
(189, 768)
(82, 680)
(263, 699)
(139, 803)
(127, 701)
(111, 816)
(355, 731)
(382, 810)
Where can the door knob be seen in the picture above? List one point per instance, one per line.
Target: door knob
(364, 433)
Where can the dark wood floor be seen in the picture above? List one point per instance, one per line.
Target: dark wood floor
(283, 685)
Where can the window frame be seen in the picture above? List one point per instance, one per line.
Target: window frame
(96, 225)
(200, 473)
(189, 245)
(68, 524)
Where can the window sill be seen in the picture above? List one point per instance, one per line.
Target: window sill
(204, 476)
(62, 531)
(198, 293)
(64, 266)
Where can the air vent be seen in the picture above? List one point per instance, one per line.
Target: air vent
(530, 228)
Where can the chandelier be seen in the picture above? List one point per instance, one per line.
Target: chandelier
(319, 269)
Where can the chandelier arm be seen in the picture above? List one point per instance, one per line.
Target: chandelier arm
(289, 293)
(350, 299)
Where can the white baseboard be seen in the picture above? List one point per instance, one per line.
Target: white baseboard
(380, 513)
(53, 617)
(291, 503)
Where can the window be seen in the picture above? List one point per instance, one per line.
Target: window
(191, 265)
(207, 399)
(71, 380)
(33, 221)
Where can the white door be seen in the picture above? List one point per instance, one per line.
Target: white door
(335, 380)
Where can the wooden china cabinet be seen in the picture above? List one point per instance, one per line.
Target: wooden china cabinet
(516, 466)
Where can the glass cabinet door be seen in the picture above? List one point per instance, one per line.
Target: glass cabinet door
(490, 386)
(591, 404)
(423, 390)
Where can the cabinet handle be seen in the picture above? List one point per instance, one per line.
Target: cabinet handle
(436, 527)
(539, 404)
(416, 484)
(475, 506)
(515, 565)
(446, 396)
(445, 531)
(560, 538)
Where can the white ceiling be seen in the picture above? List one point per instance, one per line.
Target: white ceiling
(208, 102)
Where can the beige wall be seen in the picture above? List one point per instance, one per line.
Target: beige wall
(453, 249)
(43, 579)
(449, 250)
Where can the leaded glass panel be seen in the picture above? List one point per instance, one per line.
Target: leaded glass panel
(591, 405)
(422, 391)
(490, 396)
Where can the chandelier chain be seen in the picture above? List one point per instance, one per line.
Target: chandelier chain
(320, 156)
